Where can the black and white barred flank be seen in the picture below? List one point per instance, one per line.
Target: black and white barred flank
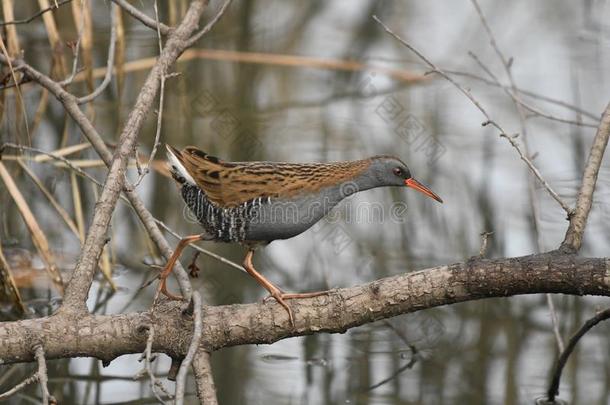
(223, 224)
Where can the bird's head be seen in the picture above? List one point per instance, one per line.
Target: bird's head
(391, 171)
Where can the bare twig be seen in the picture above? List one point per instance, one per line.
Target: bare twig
(190, 354)
(578, 221)
(414, 357)
(489, 121)
(31, 18)
(484, 242)
(54, 156)
(110, 62)
(7, 394)
(210, 24)
(143, 18)
(513, 92)
(553, 390)
(507, 63)
(554, 322)
(76, 50)
(528, 93)
(155, 385)
(42, 376)
(200, 249)
(143, 172)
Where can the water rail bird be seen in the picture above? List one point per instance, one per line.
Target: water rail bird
(255, 203)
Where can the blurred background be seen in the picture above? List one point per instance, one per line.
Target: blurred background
(321, 81)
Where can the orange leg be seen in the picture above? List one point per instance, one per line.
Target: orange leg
(275, 292)
(184, 242)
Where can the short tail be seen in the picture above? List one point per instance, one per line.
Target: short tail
(176, 168)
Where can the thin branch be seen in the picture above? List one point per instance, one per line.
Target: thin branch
(484, 242)
(400, 370)
(143, 172)
(76, 50)
(210, 24)
(43, 377)
(31, 18)
(507, 63)
(54, 156)
(190, 354)
(555, 322)
(553, 390)
(143, 18)
(154, 384)
(467, 93)
(7, 394)
(578, 221)
(199, 248)
(528, 93)
(109, 63)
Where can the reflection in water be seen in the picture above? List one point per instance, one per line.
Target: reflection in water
(495, 351)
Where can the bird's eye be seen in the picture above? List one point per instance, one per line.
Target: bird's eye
(398, 171)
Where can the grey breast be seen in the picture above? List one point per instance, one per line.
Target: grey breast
(286, 218)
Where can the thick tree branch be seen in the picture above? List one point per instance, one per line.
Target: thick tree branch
(578, 220)
(109, 336)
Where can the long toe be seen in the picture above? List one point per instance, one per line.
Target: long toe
(292, 296)
(279, 298)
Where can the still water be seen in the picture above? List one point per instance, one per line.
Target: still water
(496, 351)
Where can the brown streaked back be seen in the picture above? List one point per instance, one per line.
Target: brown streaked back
(228, 184)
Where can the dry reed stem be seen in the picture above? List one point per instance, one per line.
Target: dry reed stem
(18, 111)
(60, 210)
(54, 40)
(81, 11)
(12, 40)
(119, 59)
(268, 59)
(38, 236)
(78, 207)
(7, 280)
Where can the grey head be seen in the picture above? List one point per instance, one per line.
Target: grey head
(390, 171)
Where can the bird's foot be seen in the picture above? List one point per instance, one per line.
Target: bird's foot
(192, 267)
(280, 296)
(290, 296)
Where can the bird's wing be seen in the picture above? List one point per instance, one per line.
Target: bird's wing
(228, 184)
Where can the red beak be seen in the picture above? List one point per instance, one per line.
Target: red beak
(422, 189)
